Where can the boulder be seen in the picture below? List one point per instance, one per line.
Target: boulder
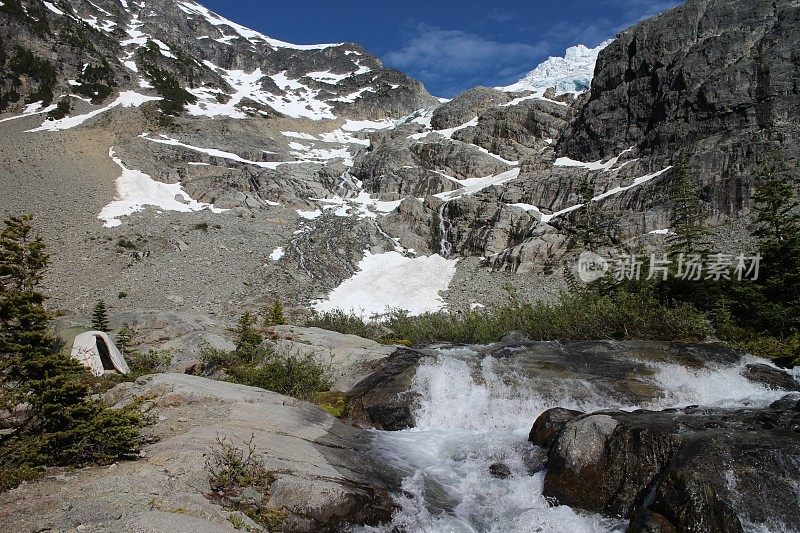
(348, 358)
(696, 469)
(384, 400)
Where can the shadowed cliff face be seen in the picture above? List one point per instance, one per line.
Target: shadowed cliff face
(716, 79)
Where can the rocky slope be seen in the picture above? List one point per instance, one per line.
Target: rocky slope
(203, 165)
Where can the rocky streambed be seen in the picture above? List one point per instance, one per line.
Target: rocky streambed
(634, 436)
(518, 436)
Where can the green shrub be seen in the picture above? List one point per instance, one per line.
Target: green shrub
(61, 110)
(56, 423)
(289, 375)
(274, 315)
(347, 323)
(150, 362)
(11, 478)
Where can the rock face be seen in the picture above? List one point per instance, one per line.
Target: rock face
(384, 399)
(712, 79)
(184, 41)
(323, 479)
(695, 469)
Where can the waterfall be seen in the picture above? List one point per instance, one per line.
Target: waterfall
(476, 411)
(445, 246)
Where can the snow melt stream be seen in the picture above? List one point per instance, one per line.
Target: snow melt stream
(471, 414)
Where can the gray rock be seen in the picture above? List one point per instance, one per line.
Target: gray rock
(323, 477)
(467, 106)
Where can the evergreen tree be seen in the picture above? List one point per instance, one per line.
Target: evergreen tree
(594, 227)
(100, 317)
(56, 423)
(247, 337)
(124, 340)
(587, 226)
(275, 315)
(686, 220)
(772, 305)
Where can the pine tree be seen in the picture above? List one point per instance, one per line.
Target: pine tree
(100, 317)
(775, 308)
(275, 315)
(56, 422)
(124, 339)
(247, 337)
(686, 220)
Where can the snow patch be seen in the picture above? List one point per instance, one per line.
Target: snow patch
(277, 253)
(135, 190)
(125, 99)
(392, 281)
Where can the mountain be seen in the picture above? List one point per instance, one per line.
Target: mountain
(569, 74)
(183, 164)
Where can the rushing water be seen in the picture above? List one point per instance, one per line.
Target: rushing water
(474, 412)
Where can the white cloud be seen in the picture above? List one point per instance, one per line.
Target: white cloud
(438, 54)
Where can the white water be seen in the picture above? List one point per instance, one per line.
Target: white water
(470, 416)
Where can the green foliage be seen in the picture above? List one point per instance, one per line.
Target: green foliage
(274, 314)
(149, 362)
(61, 110)
(12, 477)
(247, 337)
(231, 470)
(589, 316)
(259, 366)
(100, 317)
(169, 88)
(237, 521)
(289, 375)
(348, 323)
(333, 403)
(24, 65)
(56, 423)
(96, 82)
(686, 219)
(33, 15)
(594, 227)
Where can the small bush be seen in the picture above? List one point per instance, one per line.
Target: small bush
(275, 315)
(11, 478)
(61, 110)
(201, 226)
(150, 362)
(290, 375)
(347, 323)
(232, 468)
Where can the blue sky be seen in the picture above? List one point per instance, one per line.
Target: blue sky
(449, 45)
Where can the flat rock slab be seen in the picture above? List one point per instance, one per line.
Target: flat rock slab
(321, 479)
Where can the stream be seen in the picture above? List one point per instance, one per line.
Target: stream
(475, 410)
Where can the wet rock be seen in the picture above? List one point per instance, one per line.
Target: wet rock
(770, 376)
(500, 470)
(547, 427)
(790, 402)
(698, 469)
(646, 521)
(384, 399)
